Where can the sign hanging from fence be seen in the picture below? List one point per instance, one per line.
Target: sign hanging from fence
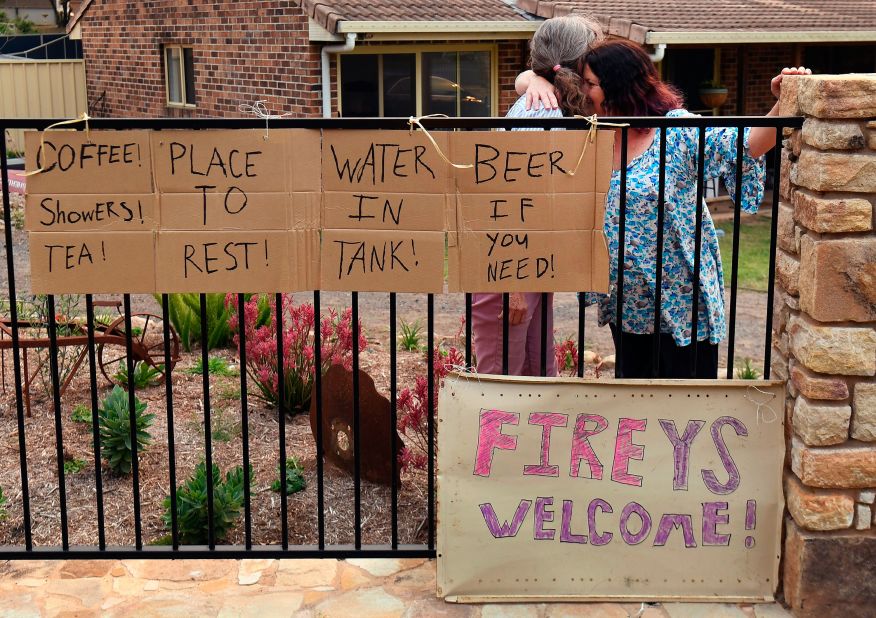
(293, 209)
(631, 489)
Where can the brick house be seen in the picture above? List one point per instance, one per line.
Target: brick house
(381, 57)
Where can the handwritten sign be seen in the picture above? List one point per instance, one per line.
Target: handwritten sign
(242, 184)
(636, 489)
(294, 209)
(85, 213)
(221, 261)
(71, 162)
(529, 212)
(91, 212)
(77, 262)
(384, 212)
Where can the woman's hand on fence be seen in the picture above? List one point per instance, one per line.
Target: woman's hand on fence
(776, 82)
(516, 308)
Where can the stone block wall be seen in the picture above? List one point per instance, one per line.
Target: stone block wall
(825, 341)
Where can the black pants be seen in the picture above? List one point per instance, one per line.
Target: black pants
(637, 353)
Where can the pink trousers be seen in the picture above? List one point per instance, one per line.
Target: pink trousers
(524, 339)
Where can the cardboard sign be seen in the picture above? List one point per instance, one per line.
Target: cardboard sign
(385, 211)
(628, 490)
(377, 261)
(115, 162)
(530, 162)
(523, 261)
(303, 247)
(256, 261)
(388, 161)
(224, 161)
(305, 213)
(530, 211)
(540, 211)
(230, 211)
(82, 212)
(91, 263)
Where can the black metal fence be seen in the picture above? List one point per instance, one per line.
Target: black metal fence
(392, 546)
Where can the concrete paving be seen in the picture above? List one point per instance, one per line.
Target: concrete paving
(298, 588)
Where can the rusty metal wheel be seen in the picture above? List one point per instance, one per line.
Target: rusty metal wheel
(147, 346)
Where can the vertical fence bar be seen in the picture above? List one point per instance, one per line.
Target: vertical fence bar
(317, 355)
(132, 419)
(544, 334)
(171, 443)
(582, 315)
(621, 240)
(281, 411)
(734, 268)
(56, 400)
(357, 458)
(95, 424)
(244, 424)
(430, 416)
(16, 353)
(658, 275)
(506, 307)
(468, 356)
(698, 247)
(208, 428)
(777, 170)
(393, 415)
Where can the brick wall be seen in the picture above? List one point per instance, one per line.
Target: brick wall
(243, 51)
(762, 63)
(825, 342)
(513, 56)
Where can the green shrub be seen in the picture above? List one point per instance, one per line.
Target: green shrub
(216, 366)
(747, 370)
(81, 413)
(191, 502)
(115, 429)
(410, 338)
(72, 466)
(294, 477)
(144, 375)
(184, 311)
(2, 505)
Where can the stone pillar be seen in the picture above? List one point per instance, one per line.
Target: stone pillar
(825, 343)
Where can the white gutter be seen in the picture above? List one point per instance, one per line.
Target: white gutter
(742, 36)
(659, 53)
(326, 73)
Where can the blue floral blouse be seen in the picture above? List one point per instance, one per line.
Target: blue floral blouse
(640, 263)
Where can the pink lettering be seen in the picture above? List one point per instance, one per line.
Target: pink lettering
(547, 421)
(490, 438)
(581, 448)
(625, 450)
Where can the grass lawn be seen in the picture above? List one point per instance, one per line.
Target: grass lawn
(754, 252)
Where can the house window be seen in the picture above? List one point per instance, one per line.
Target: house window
(403, 81)
(179, 75)
(687, 69)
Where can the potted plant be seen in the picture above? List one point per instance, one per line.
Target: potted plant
(713, 93)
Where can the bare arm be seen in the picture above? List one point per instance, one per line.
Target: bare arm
(762, 139)
(536, 88)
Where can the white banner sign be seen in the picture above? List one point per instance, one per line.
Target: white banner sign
(567, 489)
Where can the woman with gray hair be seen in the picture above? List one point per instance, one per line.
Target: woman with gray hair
(557, 54)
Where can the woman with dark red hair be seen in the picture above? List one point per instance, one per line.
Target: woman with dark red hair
(620, 80)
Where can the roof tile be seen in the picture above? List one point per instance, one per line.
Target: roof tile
(730, 15)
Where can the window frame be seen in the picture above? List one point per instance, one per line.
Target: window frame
(418, 51)
(165, 48)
